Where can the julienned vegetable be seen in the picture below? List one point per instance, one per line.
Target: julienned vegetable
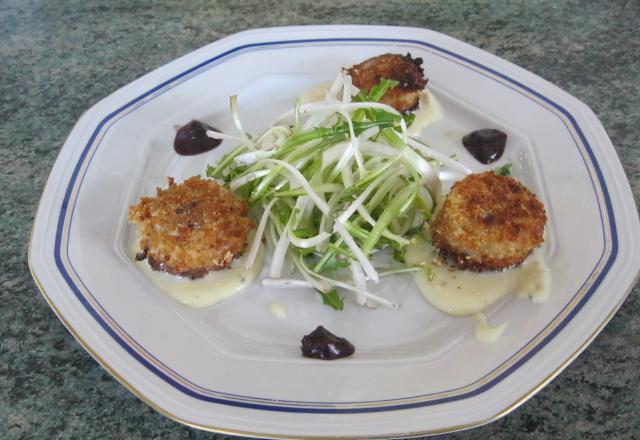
(336, 182)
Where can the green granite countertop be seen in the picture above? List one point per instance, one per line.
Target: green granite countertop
(60, 57)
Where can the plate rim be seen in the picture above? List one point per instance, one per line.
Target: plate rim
(257, 32)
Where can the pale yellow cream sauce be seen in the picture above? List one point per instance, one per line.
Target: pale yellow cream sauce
(277, 309)
(205, 291)
(461, 292)
(485, 332)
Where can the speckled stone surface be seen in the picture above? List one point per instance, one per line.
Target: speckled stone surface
(60, 57)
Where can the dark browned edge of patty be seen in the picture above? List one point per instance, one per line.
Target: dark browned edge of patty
(405, 69)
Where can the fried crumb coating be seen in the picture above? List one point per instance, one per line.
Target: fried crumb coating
(402, 68)
(191, 228)
(488, 222)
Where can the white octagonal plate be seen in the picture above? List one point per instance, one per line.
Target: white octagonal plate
(234, 367)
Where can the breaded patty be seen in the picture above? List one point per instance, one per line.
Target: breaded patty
(402, 68)
(191, 228)
(488, 222)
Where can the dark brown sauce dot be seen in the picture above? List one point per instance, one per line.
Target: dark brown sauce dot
(192, 139)
(486, 145)
(322, 344)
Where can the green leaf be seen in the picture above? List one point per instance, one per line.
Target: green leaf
(504, 170)
(333, 300)
(378, 91)
(409, 118)
(360, 97)
(334, 262)
(398, 256)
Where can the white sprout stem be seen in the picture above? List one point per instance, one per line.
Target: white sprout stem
(217, 135)
(403, 127)
(341, 107)
(346, 89)
(305, 213)
(366, 216)
(315, 120)
(280, 141)
(356, 251)
(429, 174)
(276, 131)
(279, 254)
(426, 197)
(308, 273)
(321, 188)
(330, 108)
(347, 176)
(236, 119)
(333, 154)
(306, 243)
(319, 201)
(296, 116)
(255, 246)
(377, 148)
(422, 148)
(243, 180)
(325, 218)
(368, 295)
(397, 238)
(279, 186)
(343, 162)
(355, 145)
(386, 233)
(391, 272)
(253, 157)
(336, 86)
(360, 281)
(365, 135)
(342, 218)
(303, 243)
(286, 282)
(328, 99)
(298, 211)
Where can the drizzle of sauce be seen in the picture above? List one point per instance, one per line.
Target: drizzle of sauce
(486, 145)
(322, 344)
(192, 139)
(428, 112)
(488, 333)
(277, 309)
(462, 292)
(207, 290)
(316, 93)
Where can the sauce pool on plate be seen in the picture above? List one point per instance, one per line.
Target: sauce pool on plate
(207, 290)
(462, 292)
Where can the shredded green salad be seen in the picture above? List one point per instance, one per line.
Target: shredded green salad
(336, 184)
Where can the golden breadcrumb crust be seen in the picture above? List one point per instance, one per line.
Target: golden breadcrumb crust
(488, 222)
(191, 228)
(402, 68)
